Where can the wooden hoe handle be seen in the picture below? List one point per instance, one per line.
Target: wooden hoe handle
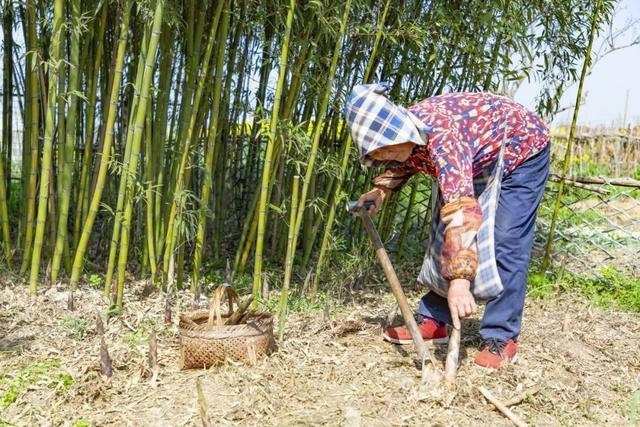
(396, 288)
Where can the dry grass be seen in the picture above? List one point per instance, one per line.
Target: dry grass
(331, 370)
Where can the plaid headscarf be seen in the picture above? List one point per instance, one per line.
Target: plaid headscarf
(374, 122)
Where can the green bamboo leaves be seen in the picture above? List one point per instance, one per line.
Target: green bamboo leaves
(162, 137)
(175, 215)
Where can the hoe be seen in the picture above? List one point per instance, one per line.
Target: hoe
(423, 352)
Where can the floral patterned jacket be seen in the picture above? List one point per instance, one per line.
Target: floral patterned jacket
(468, 130)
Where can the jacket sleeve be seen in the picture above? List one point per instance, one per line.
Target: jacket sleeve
(461, 213)
(462, 219)
(394, 179)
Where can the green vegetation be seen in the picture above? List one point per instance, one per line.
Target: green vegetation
(609, 288)
(165, 138)
(136, 338)
(300, 304)
(75, 327)
(95, 281)
(47, 371)
(635, 404)
(168, 145)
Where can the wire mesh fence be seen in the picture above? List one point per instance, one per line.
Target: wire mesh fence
(598, 226)
(598, 223)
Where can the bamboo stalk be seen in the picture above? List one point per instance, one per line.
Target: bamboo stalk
(176, 206)
(322, 110)
(345, 160)
(7, 122)
(122, 186)
(207, 182)
(34, 116)
(70, 141)
(502, 408)
(284, 293)
(150, 199)
(8, 89)
(266, 171)
(47, 149)
(574, 120)
(4, 216)
(149, 69)
(94, 206)
(82, 206)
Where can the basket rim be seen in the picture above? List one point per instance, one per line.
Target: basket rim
(259, 324)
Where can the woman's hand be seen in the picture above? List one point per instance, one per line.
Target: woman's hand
(376, 195)
(461, 301)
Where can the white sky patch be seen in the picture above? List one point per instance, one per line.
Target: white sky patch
(612, 77)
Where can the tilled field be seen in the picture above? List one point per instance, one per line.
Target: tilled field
(578, 365)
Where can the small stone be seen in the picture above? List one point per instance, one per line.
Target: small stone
(352, 417)
(405, 384)
(53, 295)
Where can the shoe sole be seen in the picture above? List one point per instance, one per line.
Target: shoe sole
(444, 340)
(514, 360)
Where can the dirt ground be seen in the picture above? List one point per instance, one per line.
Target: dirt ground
(333, 368)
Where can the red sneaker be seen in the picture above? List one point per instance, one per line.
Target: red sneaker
(428, 327)
(497, 353)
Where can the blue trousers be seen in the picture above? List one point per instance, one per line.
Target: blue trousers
(520, 196)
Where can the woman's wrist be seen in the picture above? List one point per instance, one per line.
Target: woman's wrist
(384, 191)
(460, 283)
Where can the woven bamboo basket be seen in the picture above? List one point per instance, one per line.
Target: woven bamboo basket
(205, 339)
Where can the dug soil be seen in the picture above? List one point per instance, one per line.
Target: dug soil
(578, 365)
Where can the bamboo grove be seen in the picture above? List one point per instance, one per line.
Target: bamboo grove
(161, 138)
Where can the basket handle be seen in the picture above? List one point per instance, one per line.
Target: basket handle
(215, 308)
